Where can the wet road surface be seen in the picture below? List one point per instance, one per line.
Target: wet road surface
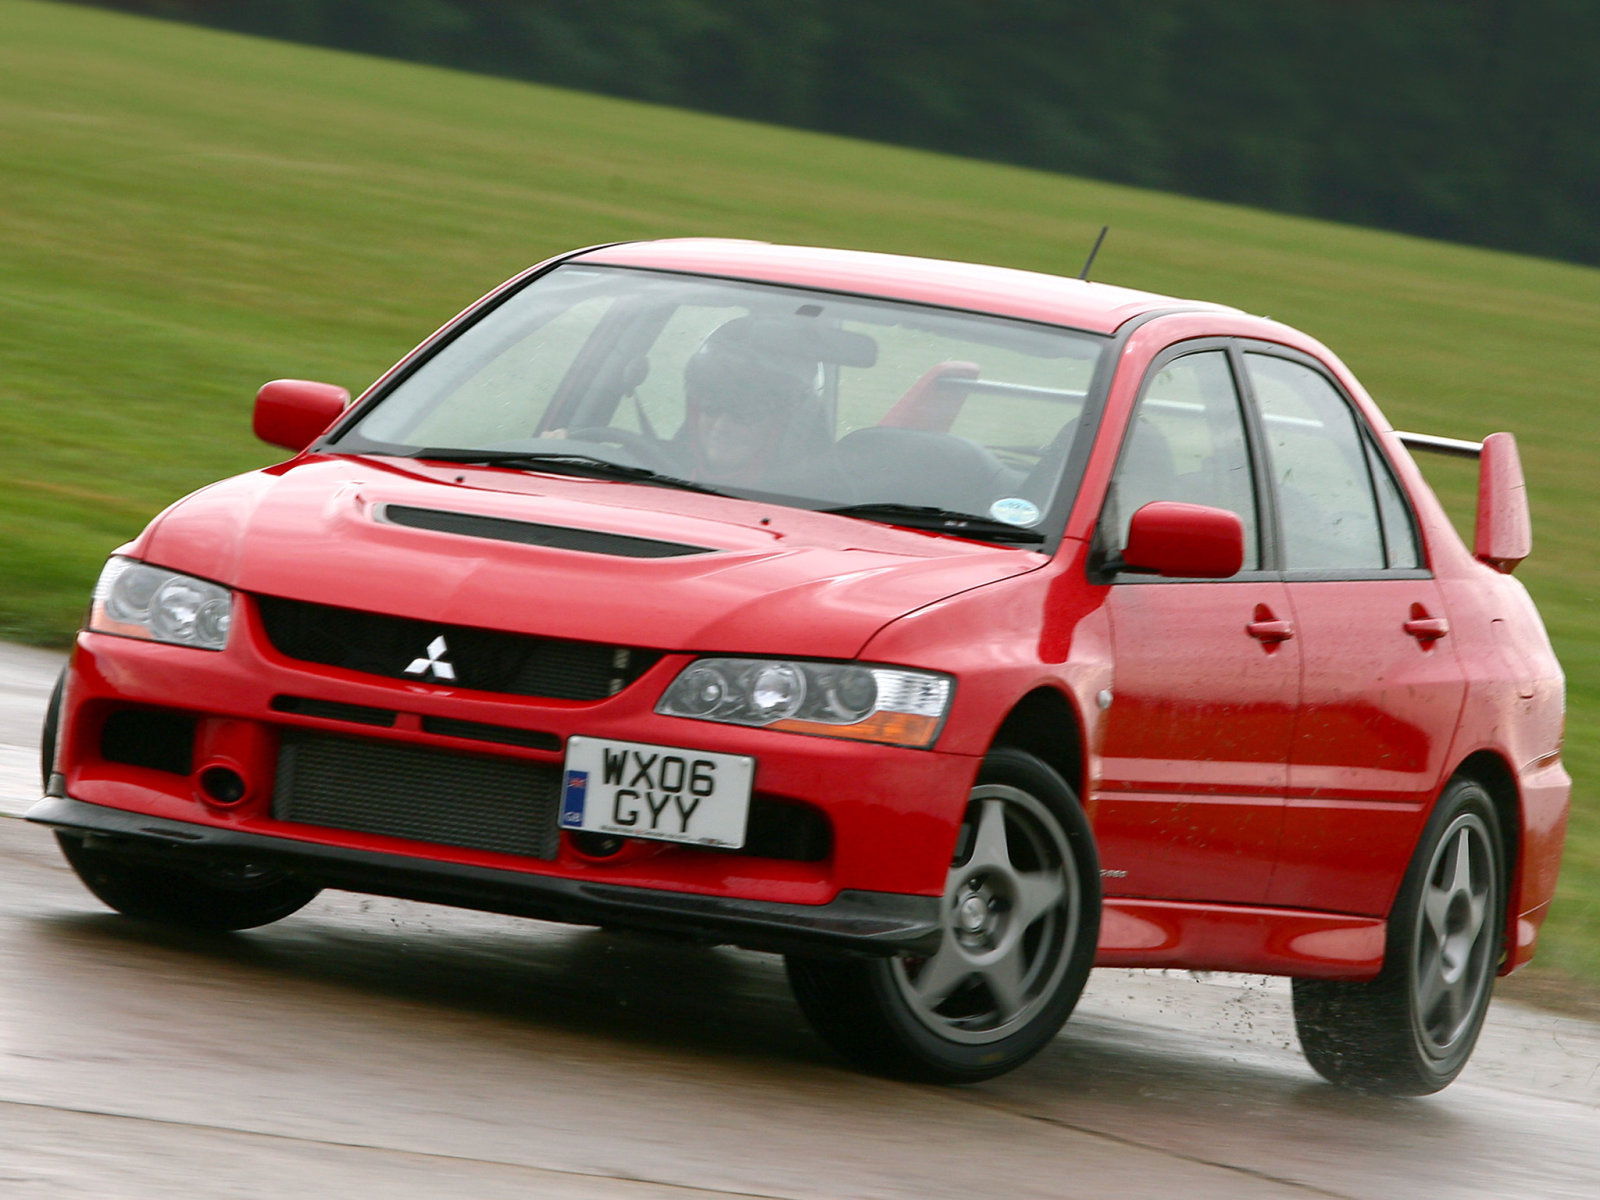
(374, 1048)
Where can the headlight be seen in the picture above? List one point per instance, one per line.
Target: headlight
(873, 704)
(137, 600)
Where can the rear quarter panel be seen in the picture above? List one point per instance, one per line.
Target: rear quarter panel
(1515, 710)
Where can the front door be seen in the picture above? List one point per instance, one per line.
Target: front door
(1194, 755)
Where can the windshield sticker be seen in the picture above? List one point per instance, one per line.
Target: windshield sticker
(1014, 510)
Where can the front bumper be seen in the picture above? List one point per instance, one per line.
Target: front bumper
(853, 923)
(142, 722)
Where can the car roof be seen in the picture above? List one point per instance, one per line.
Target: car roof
(1004, 291)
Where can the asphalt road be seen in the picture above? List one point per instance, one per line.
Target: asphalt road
(371, 1048)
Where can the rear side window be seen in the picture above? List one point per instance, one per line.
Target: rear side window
(1322, 469)
(1399, 531)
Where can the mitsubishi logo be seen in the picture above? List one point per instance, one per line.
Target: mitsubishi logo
(434, 662)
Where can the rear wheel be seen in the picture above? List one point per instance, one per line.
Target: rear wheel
(209, 897)
(1410, 1031)
(1021, 918)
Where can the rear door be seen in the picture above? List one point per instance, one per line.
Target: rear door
(1382, 684)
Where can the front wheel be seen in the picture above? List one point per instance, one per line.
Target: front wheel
(50, 730)
(1410, 1031)
(215, 899)
(1021, 919)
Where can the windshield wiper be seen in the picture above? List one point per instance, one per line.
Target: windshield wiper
(564, 464)
(941, 520)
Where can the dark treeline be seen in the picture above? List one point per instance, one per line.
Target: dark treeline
(1471, 120)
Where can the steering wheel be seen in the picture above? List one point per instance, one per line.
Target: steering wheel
(651, 452)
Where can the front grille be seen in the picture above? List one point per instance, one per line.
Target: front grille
(335, 710)
(457, 655)
(469, 800)
(504, 735)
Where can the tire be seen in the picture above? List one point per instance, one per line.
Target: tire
(1410, 1031)
(1021, 916)
(47, 735)
(213, 899)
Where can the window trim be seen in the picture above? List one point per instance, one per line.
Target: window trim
(1371, 445)
(1268, 509)
(1100, 551)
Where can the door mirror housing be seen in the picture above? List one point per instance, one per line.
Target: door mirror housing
(1183, 541)
(293, 413)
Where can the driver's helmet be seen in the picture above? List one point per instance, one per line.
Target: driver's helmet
(750, 388)
(754, 367)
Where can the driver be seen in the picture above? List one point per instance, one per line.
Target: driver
(750, 398)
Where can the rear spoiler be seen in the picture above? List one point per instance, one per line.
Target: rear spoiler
(1503, 536)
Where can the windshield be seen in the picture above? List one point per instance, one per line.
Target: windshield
(812, 398)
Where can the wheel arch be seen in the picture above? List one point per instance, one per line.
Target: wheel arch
(1046, 724)
(1491, 772)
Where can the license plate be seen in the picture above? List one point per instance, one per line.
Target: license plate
(661, 792)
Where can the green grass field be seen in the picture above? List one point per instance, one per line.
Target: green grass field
(185, 215)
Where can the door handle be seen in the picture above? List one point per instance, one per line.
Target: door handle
(1427, 629)
(1270, 631)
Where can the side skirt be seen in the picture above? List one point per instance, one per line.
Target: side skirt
(1228, 937)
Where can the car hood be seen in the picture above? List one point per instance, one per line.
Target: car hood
(652, 566)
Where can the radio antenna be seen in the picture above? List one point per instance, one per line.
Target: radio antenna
(1084, 274)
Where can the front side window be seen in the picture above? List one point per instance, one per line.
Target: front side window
(811, 398)
(1187, 443)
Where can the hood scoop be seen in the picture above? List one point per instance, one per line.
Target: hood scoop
(559, 537)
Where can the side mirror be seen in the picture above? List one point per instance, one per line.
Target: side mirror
(1504, 534)
(1184, 541)
(293, 413)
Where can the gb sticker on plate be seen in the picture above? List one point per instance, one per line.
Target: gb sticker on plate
(661, 792)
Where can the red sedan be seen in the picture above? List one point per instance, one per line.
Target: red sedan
(947, 629)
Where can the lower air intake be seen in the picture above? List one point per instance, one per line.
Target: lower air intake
(472, 801)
